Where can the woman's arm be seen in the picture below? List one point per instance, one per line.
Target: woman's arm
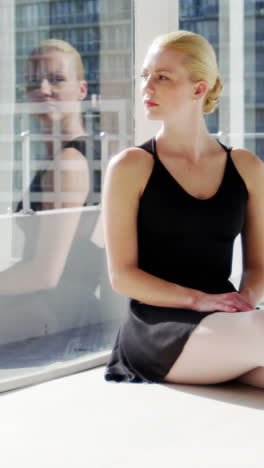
(252, 282)
(55, 233)
(125, 180)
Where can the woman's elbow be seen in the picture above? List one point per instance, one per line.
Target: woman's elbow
(115, 282)
(118, 281)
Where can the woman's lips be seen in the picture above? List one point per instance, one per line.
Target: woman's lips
(150, 103)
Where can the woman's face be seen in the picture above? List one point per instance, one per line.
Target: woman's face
(53, 82)
(166, 85)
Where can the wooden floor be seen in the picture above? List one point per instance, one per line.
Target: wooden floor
(81, 421)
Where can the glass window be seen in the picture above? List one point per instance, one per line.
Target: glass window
(211, 19)
(107, 77)
(66, 105)
(201, 17)
(254, 95)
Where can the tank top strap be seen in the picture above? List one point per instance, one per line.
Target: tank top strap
(232, 176)
(150, 147)
(228, 149)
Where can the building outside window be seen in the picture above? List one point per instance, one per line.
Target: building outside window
(206, 17)
(254, 75)
(201, 17)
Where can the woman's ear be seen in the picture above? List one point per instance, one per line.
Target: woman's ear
(200, 89)
(83, 89)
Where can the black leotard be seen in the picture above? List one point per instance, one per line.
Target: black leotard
(79, 144)
(79, 279)
(184, 240)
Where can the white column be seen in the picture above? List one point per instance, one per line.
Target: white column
(151, 19)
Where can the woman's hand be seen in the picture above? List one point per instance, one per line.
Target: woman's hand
(227, 302)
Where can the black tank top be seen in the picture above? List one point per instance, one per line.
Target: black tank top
(186, 240)
(79, 144)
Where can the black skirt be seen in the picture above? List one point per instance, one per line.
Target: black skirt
(149, 342)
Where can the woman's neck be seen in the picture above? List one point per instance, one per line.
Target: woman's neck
(189, 139)
(69, 125)
(72, 125)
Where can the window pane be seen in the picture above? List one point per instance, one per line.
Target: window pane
(242, 98)
(101, 33)
(201, 17)
(254, 74)
(66, 107)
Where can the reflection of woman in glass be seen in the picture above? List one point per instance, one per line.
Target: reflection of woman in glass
(55, 86)
(172, 209)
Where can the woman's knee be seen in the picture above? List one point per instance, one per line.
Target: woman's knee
(256, 321)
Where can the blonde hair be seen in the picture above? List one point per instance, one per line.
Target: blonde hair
(199, 60)
(62, 46)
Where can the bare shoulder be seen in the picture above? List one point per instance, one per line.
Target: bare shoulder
(133, 165)
(249, 165)
(131, 158)
(72, 154)
(245, 157)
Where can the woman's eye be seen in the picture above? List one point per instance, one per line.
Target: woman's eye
(56, 79)
(144, 76)
(32, 82)
(162, 77)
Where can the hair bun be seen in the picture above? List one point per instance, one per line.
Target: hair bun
(213, 95)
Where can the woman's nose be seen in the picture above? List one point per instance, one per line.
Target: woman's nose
(148, 84)
(45, 86)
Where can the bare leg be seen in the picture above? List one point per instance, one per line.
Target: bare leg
(254, 377)
(222, 347)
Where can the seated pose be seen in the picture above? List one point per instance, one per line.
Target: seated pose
(56, 85)
(54, 78)
(53, 287)
(172, 209)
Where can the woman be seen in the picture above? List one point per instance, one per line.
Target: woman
(55, 86)
(178, 202)
(53, 287)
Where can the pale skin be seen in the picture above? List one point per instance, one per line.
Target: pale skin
(225, 345)
(54, 81)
